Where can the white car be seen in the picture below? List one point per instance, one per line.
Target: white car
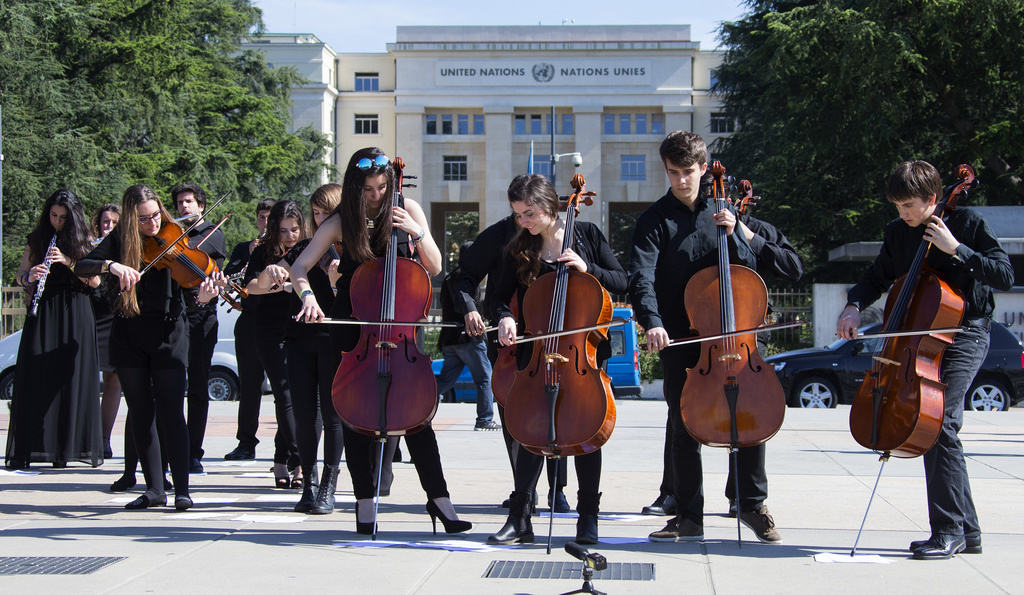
(223, 383)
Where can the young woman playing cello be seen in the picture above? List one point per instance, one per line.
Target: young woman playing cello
(363, 224)
(535, 250)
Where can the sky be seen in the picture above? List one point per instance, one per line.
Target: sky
(367, 25)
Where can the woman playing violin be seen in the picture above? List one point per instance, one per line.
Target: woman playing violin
(148, 344)
(54, 413)
(966, 255)
(534, 251)
(267, 276)
(363, 224)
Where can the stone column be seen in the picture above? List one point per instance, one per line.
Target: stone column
(588, 143)
(409, 146)
(498, 169)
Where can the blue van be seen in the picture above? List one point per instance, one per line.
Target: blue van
(623, 366)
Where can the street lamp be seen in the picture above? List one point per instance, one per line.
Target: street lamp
(577, 160)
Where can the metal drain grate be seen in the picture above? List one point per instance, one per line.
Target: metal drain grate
(616, 571)
(54, 564)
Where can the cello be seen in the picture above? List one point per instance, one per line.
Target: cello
(561, 403)
(899, 406)
(386, 361)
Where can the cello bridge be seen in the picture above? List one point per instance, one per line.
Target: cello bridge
(886, 361)
(555, 358)
(729, 356)
(388, 344)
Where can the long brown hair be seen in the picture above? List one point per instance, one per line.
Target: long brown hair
(524, 249)
(97, 218)
(356, 238)
(274, 250)
(73, 238)
(131, 239)
(326, 198)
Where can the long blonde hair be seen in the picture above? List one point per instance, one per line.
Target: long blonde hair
(131, 239)
(326, 198)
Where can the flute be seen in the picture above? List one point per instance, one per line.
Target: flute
(41, 283)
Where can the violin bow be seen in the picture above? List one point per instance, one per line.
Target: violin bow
(392, 323)
(612, 323)
(757, 329)
(952, 330)
(195, 223)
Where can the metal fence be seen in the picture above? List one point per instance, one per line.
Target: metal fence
(790, 305)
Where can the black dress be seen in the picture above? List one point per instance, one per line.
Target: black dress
(55, 411)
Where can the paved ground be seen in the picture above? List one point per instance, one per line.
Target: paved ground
(242, 536)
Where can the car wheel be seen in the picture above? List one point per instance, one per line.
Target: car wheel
(815, 392)
(987, 394)
(223, 385)
(7, 386)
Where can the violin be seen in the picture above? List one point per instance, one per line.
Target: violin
(385, 385)
(731, 398)
(899, 407)
(561, 403)
(189, 266)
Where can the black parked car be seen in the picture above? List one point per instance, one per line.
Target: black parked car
(831, 375)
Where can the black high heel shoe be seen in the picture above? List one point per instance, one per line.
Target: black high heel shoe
(362, 528)
(450, 525)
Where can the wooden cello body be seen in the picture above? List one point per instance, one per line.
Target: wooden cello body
(561, 403)
(385, 386)
(899, 407)
(731, 398)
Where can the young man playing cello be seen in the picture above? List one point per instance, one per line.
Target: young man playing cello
(674, 239)
(967, 256)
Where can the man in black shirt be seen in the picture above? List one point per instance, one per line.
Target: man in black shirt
(202, 320)
(674, 239)
(967, 256)
(250, 372)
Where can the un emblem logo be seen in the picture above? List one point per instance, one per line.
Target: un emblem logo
(543, 73)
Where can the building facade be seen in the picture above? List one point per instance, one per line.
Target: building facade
(464, 107)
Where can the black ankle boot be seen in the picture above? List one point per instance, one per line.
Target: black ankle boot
(325, 493)
(518, 528)
(587, 505)
(309, 485)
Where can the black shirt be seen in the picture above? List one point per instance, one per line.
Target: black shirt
(214, 246)
(670, 244)
(979, 264)
(452, 300)
(158, 295)
(274, 309)
(772, 250)
(480, 260)
(236, 263)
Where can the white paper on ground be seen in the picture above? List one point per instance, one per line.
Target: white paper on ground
(232, 464)
(447, 544)
(18, 472)
(267, 518)
(121, 500)
(196, 516)
(833, 558)
(625, 518)
(622, 540)
(213, 500)
(255, 474)
(560, 515)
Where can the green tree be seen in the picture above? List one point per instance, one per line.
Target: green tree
(831, 95)
(101, 94)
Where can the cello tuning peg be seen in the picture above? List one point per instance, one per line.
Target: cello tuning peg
(409, 186)
(410, 177)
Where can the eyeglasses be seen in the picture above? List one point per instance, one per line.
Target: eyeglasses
(379, 161)
(154, 217)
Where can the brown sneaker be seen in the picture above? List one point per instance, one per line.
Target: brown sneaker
(686, 530)
(762, 524)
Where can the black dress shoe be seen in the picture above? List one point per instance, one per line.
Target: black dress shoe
(665, 505)
(196, 467)
(241, 453)
(182, 503)
(123, 483)
(940, 547)
(972, 544)
(144, 501)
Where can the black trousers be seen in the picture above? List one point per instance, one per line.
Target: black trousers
(529, 465)
(950, 505)
(250, 380)
(202, 338)
(754, 479)
(311, 367)
(422, 448)
(270, 348)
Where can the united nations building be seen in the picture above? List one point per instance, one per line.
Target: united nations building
(465, 106)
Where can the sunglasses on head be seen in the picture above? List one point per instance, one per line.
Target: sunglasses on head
(379, 161)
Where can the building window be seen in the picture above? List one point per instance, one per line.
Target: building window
(519, 124)
(463, 123)
(633, 168)
(367, 81)
(535, 124)
(542, 165)
(431, 124)
(721, 124)
(478, 123)
(609, 123)
(641, 123)
(712, 78)
(454, 168)
(366, 124)
(657, 123)
(446, 123)
(623, 123)
(568, 124)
